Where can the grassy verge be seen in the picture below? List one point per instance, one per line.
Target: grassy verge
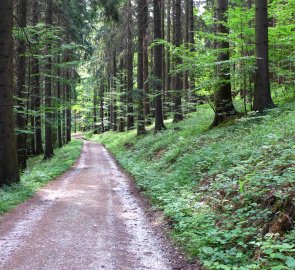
(38, 173)
(228, 192)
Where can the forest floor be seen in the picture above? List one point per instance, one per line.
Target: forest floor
(228, 193)
(91, 217)
(38, 173)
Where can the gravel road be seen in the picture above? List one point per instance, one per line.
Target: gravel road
(89, 218)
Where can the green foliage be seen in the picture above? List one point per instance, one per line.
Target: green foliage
(214, 186)
(38, 173)
(200, 59)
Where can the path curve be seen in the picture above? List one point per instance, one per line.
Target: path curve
(88, 218)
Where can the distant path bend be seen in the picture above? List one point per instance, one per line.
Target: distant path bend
(88, 218)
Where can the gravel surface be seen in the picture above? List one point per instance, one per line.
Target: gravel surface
(90, 218)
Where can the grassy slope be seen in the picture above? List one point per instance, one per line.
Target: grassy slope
(38, 173)
(220, 188)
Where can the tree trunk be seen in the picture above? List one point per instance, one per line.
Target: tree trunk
(32, 137)
(48, 94)
(141, 15)
(36, 96)
(163, 48)
(167, 95)
(102, 128)
(262, 95)
(21, 14)
(224, 107)
(130, 116)
(109, 107)
(95, 95)
(68, 106)
(121, 124)
(146, 101)
(8, 157)
(64, 111)
(157, 78)
(177, 87)
(75, 122)
(110, 88)
(146, 86)
(192, 42)
(114, 103)
(59, 118)
(186, 42)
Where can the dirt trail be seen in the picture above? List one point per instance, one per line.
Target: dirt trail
(89, 218)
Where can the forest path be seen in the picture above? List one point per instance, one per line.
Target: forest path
(89, 218)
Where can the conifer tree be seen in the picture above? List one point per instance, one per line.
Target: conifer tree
(35, 82)
(158, 79)
(224, 107)
(177, 40)
(48, 84)
(130, 53)
(21, 14)
(262, 95)
(8, 157)
(141, 15)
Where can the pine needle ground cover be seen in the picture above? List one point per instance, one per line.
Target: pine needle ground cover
(38, 173)
(228, 192)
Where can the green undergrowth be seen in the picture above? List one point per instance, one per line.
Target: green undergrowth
(38, 173)
(227, 192)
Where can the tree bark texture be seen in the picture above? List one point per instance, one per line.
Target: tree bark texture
(167, 94)
(121, 88)
(21, 14)
(114, 94)
(95, 103)
(192, 42)
(262, 95)
(141, 13)
(48, 91)
(59, 114)
(158, 61)
(223, 96)
(36, 88)
(178, 116)
(8, 156)
(146, 100)
(68, 106)
(186, 42)
(101, 112)
(130, 112)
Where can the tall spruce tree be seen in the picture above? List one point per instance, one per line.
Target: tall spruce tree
(224, 107)
(68, 94)
(141, 15)
(158, 61)
(262, 95)
(177, 40)
(130, 53)
(35, 82)
(8, 157)
(21, 14)
(48, 84)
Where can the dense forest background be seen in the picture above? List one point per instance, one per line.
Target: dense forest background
(119, 65)
(122, 65)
